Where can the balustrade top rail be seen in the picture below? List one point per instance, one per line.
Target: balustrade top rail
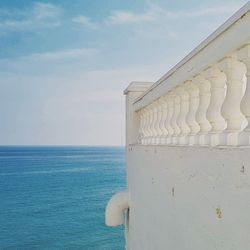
(205, 99)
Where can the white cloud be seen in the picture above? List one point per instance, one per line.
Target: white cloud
(43, 11)
(15, 24)
(194, 12)
(125, 17)
(157, 13)
(41, 15)
(85, 21)
(62, 54)
(45, 60)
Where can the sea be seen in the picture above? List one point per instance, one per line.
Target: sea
(55, 197)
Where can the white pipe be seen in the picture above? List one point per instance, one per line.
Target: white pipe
(117, 205)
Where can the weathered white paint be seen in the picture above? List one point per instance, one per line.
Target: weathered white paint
(188, 150)
(184, 198)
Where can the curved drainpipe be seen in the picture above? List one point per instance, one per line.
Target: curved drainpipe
(117, 205)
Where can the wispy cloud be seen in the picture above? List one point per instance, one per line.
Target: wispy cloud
(15, 24)
(62, 54)
(42, 11)
(85, 21)
(156, 13)
(46, 59)
(41, 15)
(50, 61)
(125, 17)
(156, 10)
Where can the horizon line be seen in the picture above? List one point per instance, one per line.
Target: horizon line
(56, 145)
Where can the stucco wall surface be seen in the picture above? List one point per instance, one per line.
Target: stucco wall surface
(188, 198)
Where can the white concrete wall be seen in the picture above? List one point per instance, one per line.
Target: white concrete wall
(191, 197)
(188, 198)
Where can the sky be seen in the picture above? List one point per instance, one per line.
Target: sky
(65, 63)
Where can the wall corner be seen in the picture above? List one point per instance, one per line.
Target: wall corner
(132, 92)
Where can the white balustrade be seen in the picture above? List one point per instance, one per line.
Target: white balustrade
(208, 109)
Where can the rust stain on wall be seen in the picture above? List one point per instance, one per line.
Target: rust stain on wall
(242, 169)
(218, 213)
(172, 191)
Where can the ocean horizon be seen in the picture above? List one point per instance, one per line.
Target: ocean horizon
(54, 197)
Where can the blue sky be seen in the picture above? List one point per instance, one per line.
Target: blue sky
(64, 63)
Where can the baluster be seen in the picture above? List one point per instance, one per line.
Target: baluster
(193, 92)
(244, 56)
(164, 131)
(173, 121)
(170, 105)
(217, 80)
(159, 116)
(143, 121)
(155, 131)
(201, 114)
(153, 123)
(181, 120)
(150, 126)
(144, 129)
(151, 118)
(140, 127)
(147, 131)
(231, 112)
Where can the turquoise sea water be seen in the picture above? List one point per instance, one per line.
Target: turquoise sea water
(55, 197)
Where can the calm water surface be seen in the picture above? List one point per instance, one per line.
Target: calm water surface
(55, 197)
